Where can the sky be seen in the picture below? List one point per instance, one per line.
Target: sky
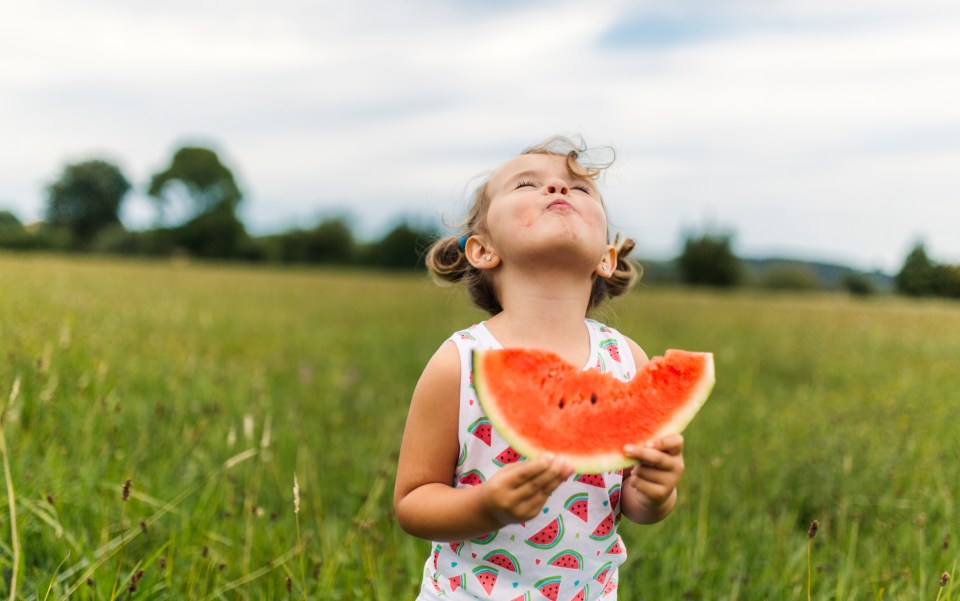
(819, 129)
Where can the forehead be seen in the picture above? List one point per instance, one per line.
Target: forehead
(532, 164)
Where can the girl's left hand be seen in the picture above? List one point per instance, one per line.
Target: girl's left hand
(656, 475)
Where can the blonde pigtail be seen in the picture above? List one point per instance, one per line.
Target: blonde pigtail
(445, 260)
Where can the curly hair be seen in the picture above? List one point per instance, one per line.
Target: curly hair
(448, 263)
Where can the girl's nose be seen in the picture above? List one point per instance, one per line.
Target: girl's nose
(557, 187)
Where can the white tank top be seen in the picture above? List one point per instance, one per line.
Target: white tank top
(571, 551)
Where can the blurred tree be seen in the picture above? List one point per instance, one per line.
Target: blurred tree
(330, 242)
(10, 222)
(401, 248)
(859, 284)
(86, 198)
(195, 178)
(946, 280)
(918, 274)
(708, 260)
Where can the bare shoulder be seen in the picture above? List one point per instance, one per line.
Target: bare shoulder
(442, 372)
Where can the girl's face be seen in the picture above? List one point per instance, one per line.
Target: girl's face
(539, 209)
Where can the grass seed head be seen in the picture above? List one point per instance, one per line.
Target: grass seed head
(126, 489)
(814, 526)
(944, 579)
(296, 495)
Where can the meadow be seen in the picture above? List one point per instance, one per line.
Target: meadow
(210, 388)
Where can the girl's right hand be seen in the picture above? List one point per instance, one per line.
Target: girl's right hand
(519, 491)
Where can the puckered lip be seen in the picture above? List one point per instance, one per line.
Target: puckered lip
(559, 203)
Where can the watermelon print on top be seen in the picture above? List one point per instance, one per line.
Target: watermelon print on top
(572, 550)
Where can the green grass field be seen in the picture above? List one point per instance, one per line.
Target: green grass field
(209, 387)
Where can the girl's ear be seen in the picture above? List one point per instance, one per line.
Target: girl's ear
(608, 262)
(480, 254)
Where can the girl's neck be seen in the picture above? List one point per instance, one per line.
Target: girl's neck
(543, 310)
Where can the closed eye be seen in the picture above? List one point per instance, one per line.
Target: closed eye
(582, 188)
(525, 183)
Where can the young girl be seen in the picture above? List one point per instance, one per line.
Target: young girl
(534, 253)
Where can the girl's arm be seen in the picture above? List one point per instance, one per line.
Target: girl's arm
(426, 503)
(649, 491)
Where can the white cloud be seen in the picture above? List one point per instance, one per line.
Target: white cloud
(790, 122)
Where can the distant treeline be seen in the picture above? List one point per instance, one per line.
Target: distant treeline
(83, 207)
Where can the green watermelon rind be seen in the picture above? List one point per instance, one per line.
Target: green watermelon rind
(598, 462)
(514, 565)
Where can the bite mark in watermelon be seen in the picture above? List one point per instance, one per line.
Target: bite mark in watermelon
(549, 587)
(503, 559)
(540, 403)
(487, 577)
(548, 536)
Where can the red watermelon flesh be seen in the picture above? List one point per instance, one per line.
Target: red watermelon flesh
(548, 536)
(539, 403)
(507, 456)
(604, 529)
(502, 559)
(487, 577)
(578, 505)
(549, 587)
(472, 478)
(591, 479)
(568, 559)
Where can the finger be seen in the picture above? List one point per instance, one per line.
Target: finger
(655, 476)
(671, 444)
(659, 460)
(554, 473)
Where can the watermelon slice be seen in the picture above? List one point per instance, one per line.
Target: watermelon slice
(507, 456)
(503, 559)
(578, 505)
(486, 577)
(605, 528)
(569, 559)
(549, 587)
(548, 536)
(538, 402)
